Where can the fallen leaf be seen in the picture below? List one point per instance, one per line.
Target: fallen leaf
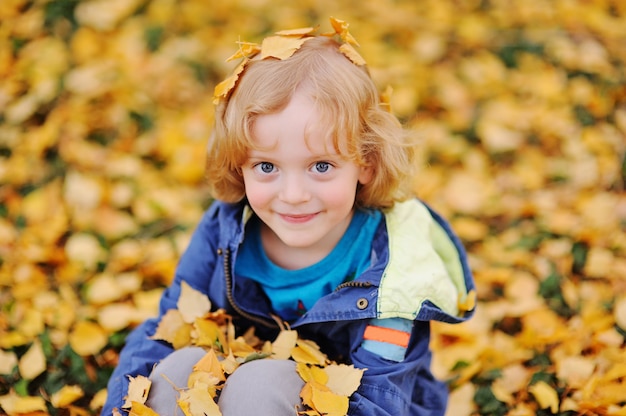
(33, 362)
(15, 405)
(545, 395)
(138, 390)
(192, 303)
(87, 338)
(66, 396)
(283, 344)
(197, 401)
(173, 329)
(343, 379)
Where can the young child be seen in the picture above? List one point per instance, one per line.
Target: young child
(314, 223)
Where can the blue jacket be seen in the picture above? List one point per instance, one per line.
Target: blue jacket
(419, 271)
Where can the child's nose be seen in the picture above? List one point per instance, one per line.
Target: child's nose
(294, 189)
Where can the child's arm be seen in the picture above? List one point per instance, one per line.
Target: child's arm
(405, 387)
(141, 353)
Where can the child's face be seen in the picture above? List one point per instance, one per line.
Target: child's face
(300, 188)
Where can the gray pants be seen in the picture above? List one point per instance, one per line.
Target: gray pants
(261, 387)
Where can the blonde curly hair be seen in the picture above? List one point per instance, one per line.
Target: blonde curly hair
(349, 104)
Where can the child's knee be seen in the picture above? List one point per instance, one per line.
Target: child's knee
(269, 386)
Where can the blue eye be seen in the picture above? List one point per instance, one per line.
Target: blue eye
(266, 167)
(322, 167)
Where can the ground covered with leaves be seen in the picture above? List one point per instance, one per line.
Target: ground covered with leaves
(520, 106)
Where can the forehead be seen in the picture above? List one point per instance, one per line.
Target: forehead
(301, 121)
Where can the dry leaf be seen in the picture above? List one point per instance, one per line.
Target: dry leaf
(223, 88)
(66, 396)
(327, 402)
(8, 361)
(308, 352)
(545, 395)
(284, 344)
(87, 338)
(280, 47)
(197, 401)
(343, 379)
(211, 364)
(138, 390)
(310, 373)
(15, 405)
(140, 409)
(173, 329)
(192, 303)
(349, 51)
(33, 362)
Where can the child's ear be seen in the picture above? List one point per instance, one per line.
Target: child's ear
(366, 175)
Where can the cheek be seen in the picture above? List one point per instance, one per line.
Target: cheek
(257, 194)
(340, 194)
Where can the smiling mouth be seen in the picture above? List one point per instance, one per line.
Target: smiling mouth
(297, 218)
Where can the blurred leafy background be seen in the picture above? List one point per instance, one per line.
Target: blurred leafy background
(520, 106)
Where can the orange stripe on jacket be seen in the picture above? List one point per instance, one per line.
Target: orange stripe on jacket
(388, 335)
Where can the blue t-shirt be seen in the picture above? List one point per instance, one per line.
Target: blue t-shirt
(293, 292)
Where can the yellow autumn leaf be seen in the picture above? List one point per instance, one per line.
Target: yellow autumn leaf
(197, 401)
(280, 47)
(341, 28)
(87, 338)
(308, 352)
(66, 396)
(327, 402)
(297, 32)
(229, 363)
(349, 51)
(283, 344)
(545, 395)
(173, 329)
(98, 399)
(211, 364)
(310, 373)
(192, 303)
(246, 50)
(138, 390)
(140, 409)
(343, 379)
(8, 361)
(208, 333)
(15, 405)
(223, 88)
(33, 362)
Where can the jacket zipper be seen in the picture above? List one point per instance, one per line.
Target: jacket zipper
(229, 295)
(353, 283)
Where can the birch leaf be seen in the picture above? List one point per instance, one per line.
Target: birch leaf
(192, 303)
(33, 362)
(138, 390)
(343, 379)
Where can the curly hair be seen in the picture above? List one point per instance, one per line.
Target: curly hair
(349, 104)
